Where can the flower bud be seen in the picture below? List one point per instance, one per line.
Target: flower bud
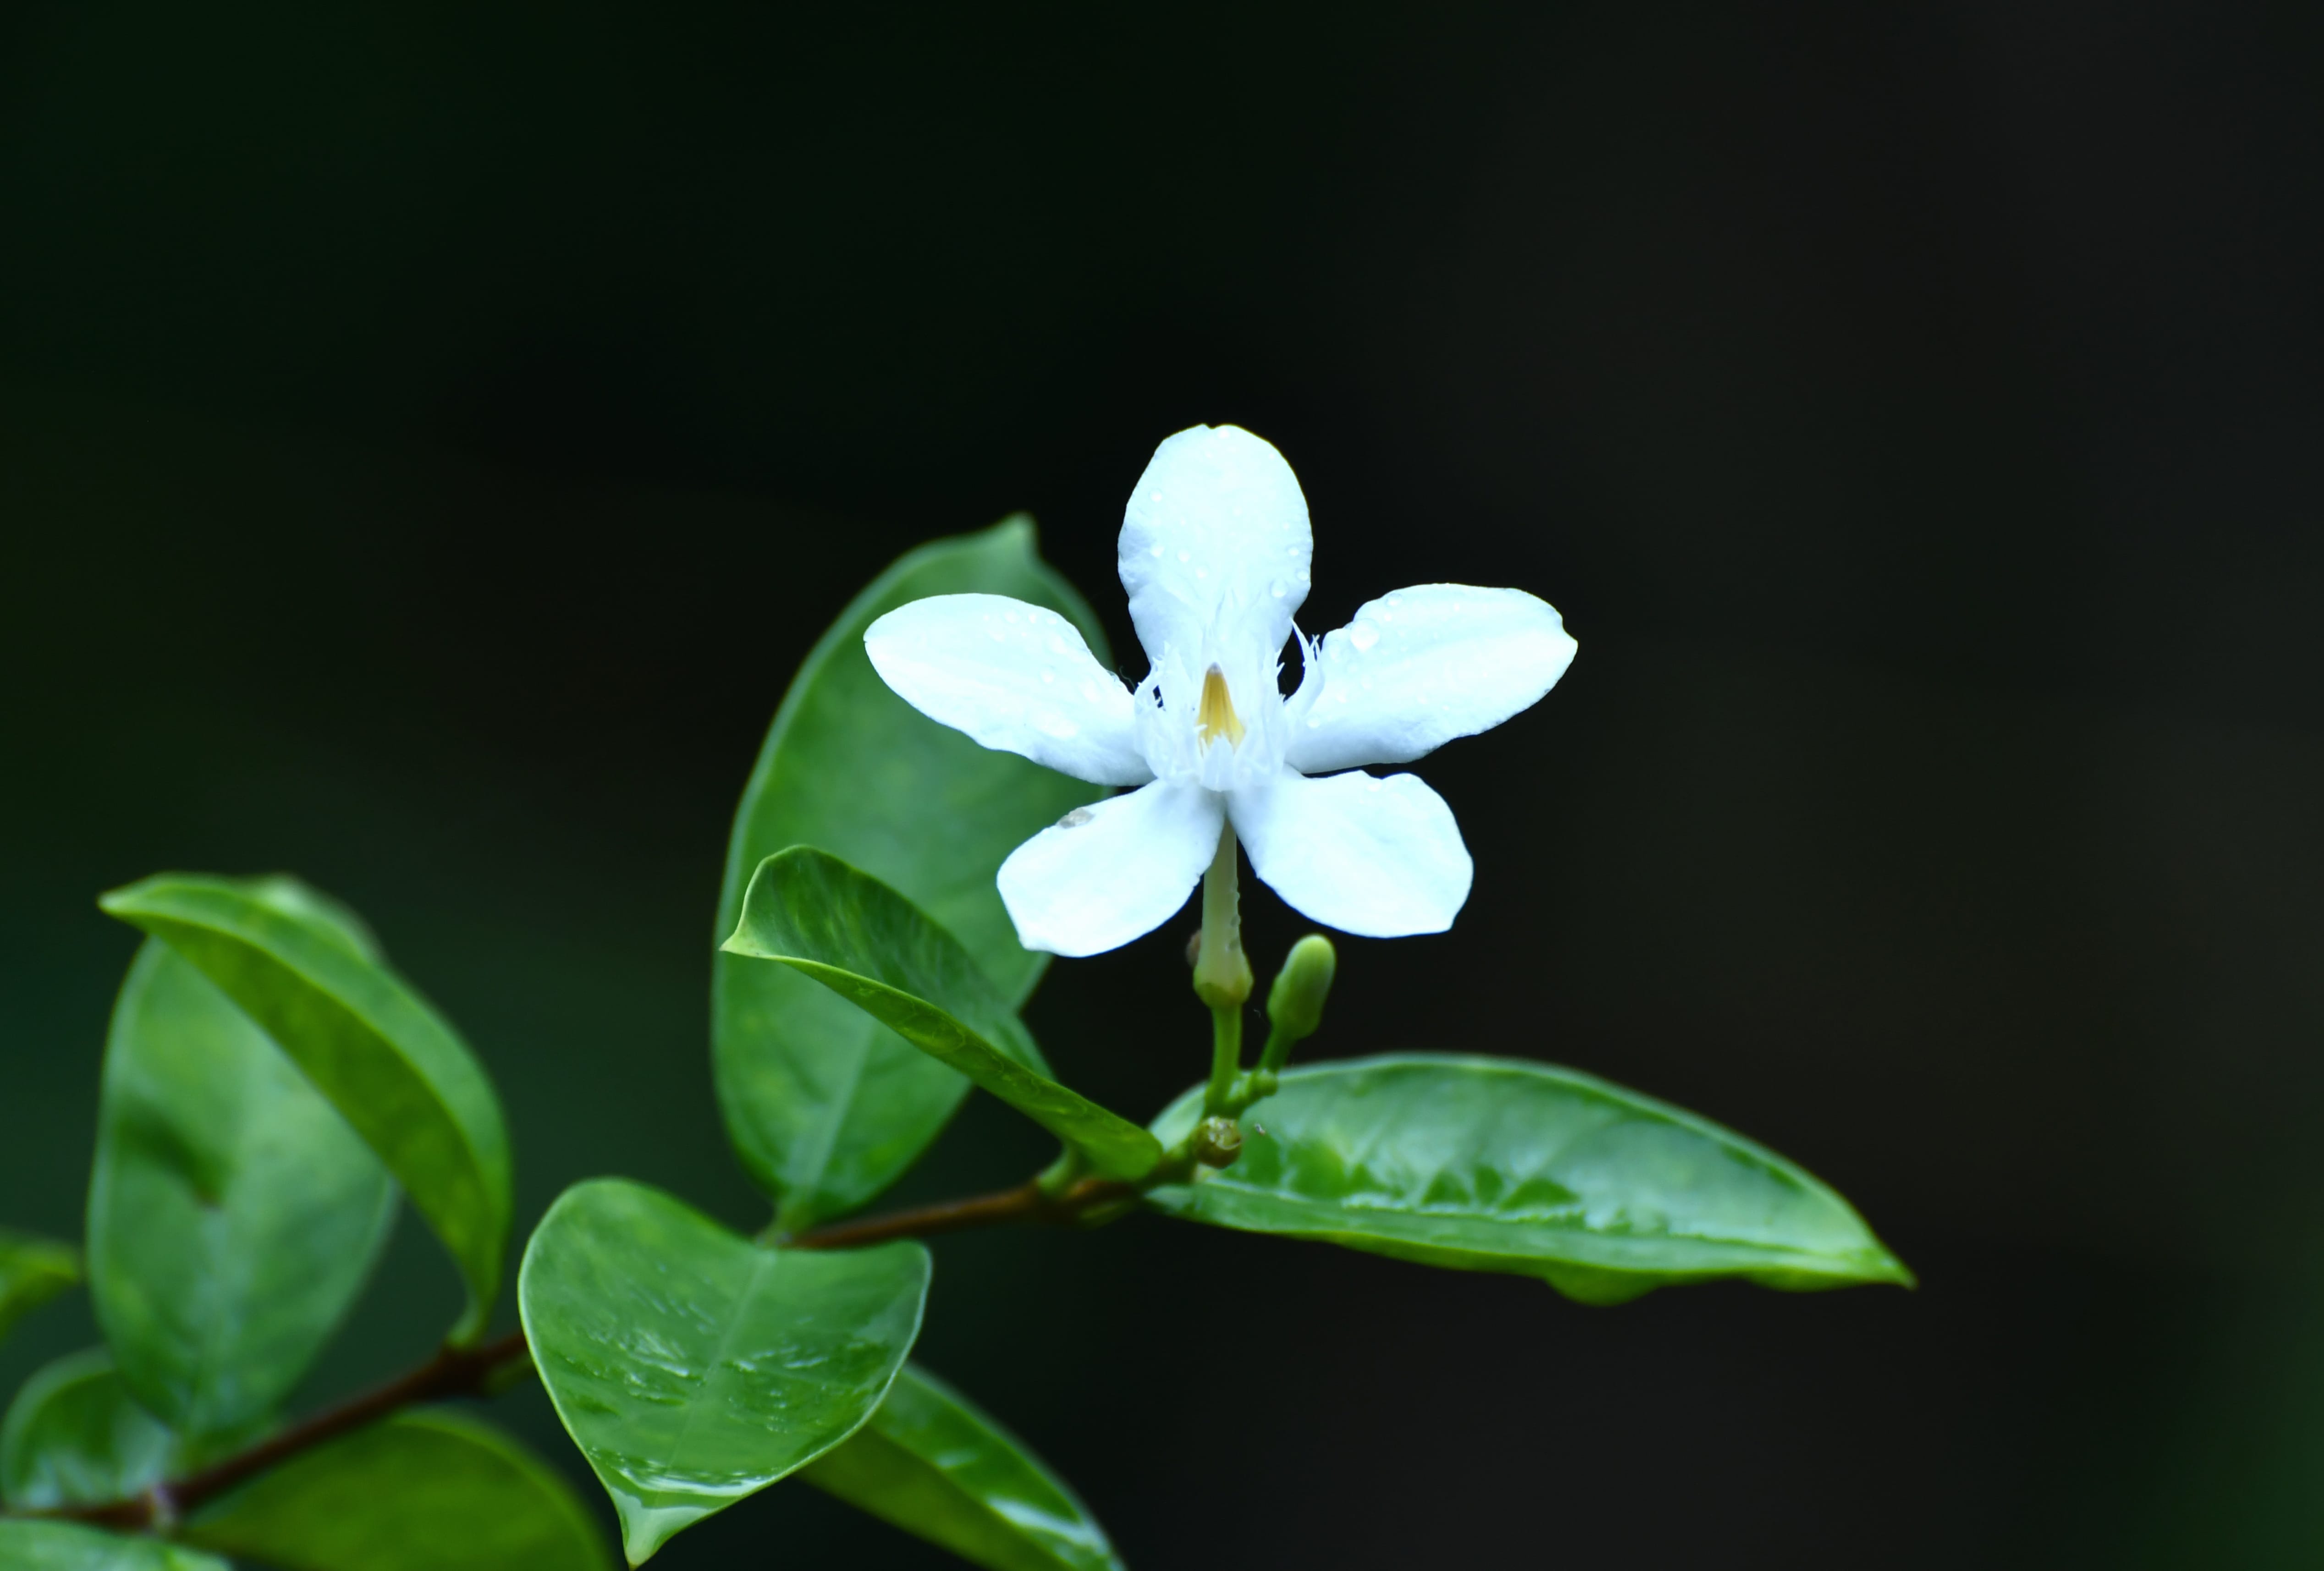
(1217, 1142)
(1296, 1005)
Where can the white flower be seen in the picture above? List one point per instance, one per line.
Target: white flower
(1214, 554)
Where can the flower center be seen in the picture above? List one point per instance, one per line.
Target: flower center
(1216, 716)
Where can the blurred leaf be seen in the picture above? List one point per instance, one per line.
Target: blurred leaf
(425, 1491)
(808, 910)
(693, 1368)
(385, 1060)
(1498, 1165)
(232, 1215)
(933, 1464)
(74, 1436)
(69, 1546)
(825, 1106)
(331, 917)
(33, 1271)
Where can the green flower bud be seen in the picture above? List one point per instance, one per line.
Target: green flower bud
(1217, 1142)
(1296, 1005)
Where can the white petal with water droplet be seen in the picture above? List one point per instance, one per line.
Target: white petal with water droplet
(1416, 668)
(1113, 871)
(1216, 520)
(989, 666)
(1380, 858)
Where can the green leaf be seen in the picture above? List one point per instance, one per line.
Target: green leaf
(386, 1061)
(933, 1464)
(68, 1546)
(694, 1367)
(824, 1105)
(425, 1491)
(808, 910)
(1497, 1164)
(74, 1436)
(232, 1215)
(33, 1271)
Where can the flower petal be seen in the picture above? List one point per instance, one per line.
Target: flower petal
(1113, 871)
(1417, 668)
(1214, 541)
(1380, 858)
(1016, 677)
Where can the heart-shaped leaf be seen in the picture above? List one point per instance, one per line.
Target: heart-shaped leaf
(232, 1215)
(425, 1491)
(74, 1436)
(808, 910)
(33, 1271)
(825, 1105)
(933, 1464)
(1498, 1165)
(30, 1546)
(694, 1367)
(394, 1069)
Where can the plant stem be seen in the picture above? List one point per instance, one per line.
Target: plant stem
(452, 1371)
(484, 1371)
(1026, 1202)
(1226, 1059)
(1222, 972)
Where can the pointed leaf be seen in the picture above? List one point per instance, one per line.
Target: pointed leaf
(933, 1464)
(33, 1271)
(232, 1215)
(1498, 1165)
(27, 1545)
(825, 1105)
(74, 1436)
(808, 910)
(371, 1044)
(694, 1367)
(425, 1491)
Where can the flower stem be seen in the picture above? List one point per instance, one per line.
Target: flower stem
(1221, 973)
(1226, 1058)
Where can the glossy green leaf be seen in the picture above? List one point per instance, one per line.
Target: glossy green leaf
(425, 1491)
(694, 1367)
(825, 1105)
(1498, 1165)
(33, 1271)
(30, 1546)
(808, 910)
(232, 1215)
(74, 1436)
(933, 1464)
(371, 1044)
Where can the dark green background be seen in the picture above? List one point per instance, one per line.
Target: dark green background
(430, 434)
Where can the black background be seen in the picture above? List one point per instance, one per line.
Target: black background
(431, 434)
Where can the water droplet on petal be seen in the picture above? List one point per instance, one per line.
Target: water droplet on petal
(1158, 550)
(1362, 635)
(1185, 555)
(1056, 645)
(1278, 589)
(1049, 675)
(1076, 818)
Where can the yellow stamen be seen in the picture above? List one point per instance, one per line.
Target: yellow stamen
(1216, 717)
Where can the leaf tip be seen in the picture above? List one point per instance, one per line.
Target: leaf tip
(1888, 1269)
(645, 1529)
